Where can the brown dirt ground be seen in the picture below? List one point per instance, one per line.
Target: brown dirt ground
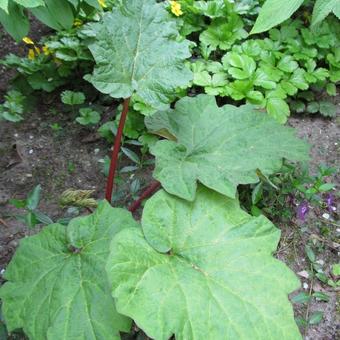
(31, 153)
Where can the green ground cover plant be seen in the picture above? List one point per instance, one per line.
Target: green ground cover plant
(196, 266)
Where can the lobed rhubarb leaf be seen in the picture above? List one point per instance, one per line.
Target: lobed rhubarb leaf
(220, 147)
(202, 270)
(57, 286)
(136, 51)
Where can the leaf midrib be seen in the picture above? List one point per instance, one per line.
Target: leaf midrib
(138, 42)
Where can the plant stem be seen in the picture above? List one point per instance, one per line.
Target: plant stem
(149, 191)
(115, 152)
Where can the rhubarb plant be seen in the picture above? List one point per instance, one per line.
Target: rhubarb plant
(198, 267)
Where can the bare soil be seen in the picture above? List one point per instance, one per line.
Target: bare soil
(32, 153)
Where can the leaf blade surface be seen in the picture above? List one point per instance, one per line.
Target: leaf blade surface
(219, 147)
(57, 287)
(202, 270)
(136, 52)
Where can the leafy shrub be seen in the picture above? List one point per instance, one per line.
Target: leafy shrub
(265, 72)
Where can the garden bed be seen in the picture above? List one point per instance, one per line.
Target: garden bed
(33, 153)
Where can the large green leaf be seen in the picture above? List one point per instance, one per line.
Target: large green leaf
(135, 51)
(57, 287)
(324, 7)
(220, 147)
(14, 21)
(4, 5)
(202, 270)
(30, 3)
(56, 14)
(273, 12)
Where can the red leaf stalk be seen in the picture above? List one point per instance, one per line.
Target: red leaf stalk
(115, 152)
(149, 191)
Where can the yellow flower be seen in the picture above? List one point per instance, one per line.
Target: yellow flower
(37, 50)
(31, 54)
(28, 41)
(46, 50)
(77, 23)
(102, 3)
(176, 8)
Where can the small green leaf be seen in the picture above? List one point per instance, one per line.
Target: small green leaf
(287, 64)
(33, 198)
(298, 79)
(243, 66)
(108, 130)
(18, 203)
(321, 296)
(315, 318)
(336, 269)
(322, 277)
(254, 97)
(327, 109)
(88, 116)
(257, 192)
(202, 78)
(310, 254)
(302, 297)
(278, 109)
(263, 79)
(43, 218)
(331, 89)
(326, 187)
(255, 211)
(300, 321)
(222, 33)
(130, 154)
(313, 107)
(30, 220)
(72, 98)
(298, 106)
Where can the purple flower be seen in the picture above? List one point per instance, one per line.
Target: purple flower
(329, 201)
(302, 210)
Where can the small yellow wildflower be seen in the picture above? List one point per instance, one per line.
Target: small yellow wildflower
(77, 23)
(28, 41)
(46, 50)
(37, 50)
(176, 8)
(31, 54)
(102, 3)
